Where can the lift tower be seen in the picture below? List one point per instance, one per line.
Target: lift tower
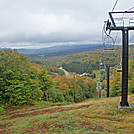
(108, 68)
(123, 21)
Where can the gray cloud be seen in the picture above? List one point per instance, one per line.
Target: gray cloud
(47, 22)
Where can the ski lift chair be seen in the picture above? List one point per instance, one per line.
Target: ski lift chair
(102, 67)
(101, 79)
(108, 50)
(119, 68)
(105, 88)
(102, 70)
(111, 78)
(98, 79)
(108, 45)
(112, 75)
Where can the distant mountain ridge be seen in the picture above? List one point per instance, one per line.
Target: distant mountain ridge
(61, 50)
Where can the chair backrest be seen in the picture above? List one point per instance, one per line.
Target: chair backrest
(108, 50)
(119, 70)
(108, 47)
(102, 70)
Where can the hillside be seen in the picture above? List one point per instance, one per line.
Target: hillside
(62, 50)
(24, 83)
(94, 116)
(88, 61)
(82, 62)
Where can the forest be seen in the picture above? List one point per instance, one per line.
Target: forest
(84, 62)
(89, 61)
(116, 80)
(24, 83)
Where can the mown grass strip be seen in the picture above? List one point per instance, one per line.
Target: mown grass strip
(92, 116)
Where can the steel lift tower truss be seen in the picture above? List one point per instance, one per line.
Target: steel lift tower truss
(123, 21)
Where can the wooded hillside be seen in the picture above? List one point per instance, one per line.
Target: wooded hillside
(82, 62)
(24, 83)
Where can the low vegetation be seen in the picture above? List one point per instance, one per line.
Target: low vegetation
(94, 116)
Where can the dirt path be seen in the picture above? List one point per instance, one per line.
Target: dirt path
(35, 112)
(67, 73)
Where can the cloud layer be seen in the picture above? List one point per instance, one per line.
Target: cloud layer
(52, 22)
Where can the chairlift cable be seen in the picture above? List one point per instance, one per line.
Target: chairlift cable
(118, 31)
(132, 37)
(112, 11)
(103, 30)
(108, 17)
(114, 5)
(130, 8)
(116, 36)
(122, 18)
(108, 35)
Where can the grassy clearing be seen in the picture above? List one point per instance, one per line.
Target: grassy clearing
(94, 116)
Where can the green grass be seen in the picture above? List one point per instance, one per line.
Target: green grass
(94, 116)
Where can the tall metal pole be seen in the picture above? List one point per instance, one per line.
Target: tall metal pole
(124, 103)
(108, 68)
(99, 89)
(100, 93)
(124, 68)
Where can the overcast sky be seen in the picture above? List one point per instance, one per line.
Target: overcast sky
(25, 23)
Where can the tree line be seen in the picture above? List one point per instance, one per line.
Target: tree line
(80, 68)
(24, 83)
(116, 83)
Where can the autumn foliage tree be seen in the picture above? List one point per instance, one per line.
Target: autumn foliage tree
(19, 82)
(45, 82)
(75, 89)
(23, 83)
